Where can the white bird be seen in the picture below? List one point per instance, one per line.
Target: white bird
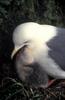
(40, 51)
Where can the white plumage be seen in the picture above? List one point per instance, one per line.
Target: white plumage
(36, 37)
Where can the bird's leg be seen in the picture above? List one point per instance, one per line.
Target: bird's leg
(50, 82)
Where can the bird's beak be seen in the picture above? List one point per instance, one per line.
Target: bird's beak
(16, 49)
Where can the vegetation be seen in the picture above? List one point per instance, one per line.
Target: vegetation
(12, 13)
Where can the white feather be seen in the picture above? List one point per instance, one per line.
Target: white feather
(36, 36)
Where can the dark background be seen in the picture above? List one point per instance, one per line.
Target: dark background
(15, 12)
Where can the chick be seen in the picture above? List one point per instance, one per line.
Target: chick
(40, 51)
